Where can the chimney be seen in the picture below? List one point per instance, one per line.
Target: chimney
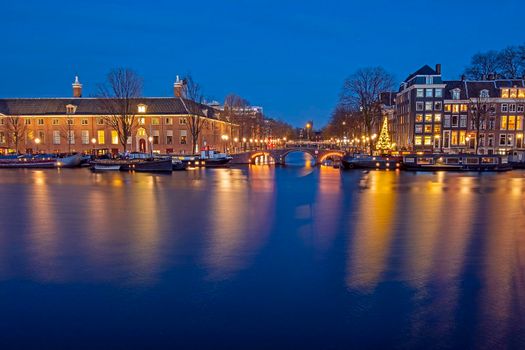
(438, 68)
(77, 88)
(178, 87)
(463, 77)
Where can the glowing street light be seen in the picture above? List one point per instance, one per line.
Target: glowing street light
(37, 142)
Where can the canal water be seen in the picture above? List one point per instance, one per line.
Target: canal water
(262, 257)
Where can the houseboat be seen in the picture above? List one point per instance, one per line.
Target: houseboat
(456, 162)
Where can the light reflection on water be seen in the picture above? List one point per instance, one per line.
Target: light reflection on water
(368, 258)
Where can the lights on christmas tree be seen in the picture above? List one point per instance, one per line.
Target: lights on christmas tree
(383, 143)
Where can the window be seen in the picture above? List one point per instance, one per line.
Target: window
(429, 80)
(513, 93)
(464, 107)
(521, 93)
(446, 139)
(428, 129)
(519, 141)
(437, 129)
(492, 123)
(502, 139)
(448, 108)
(419, 118)
(455, 119)
(2, 121)
(456, 94)
(490, 140)
(55, 121)
(504, 107)
(463, 121)
(142, 121)
(462, 136)
(418, 129)
(519, 122)
(155, 134)
(420, 93)
(454, 140)
(184, 121)
(71, 109)
(438, 92)
(169, 121)
(428, 140)
(428, 118)
(155, 121)
(71, 137)
(56, 137)
(101, 137)
(417, 141)
(504, 93)
(437, 118)
(455, 108)
(512, 108)
(484, 93)
(428, 106)
(510, 140)
(84, 122)
(429, 93)
(141, 108)
(40, 121)
(511, 122)
(28, 121)
(437, 105)
(482, 140)
(446, 122)
(114, 137)
(70, 121)
(520, 108)
(85, 137)
(169, 137)
(183, 137)
(503, 123)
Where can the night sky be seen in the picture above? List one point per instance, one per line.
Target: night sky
(290, 57)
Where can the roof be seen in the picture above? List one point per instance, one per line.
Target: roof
(95, 106)
(473, 88)
(425, 70)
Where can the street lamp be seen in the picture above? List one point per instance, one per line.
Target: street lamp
(37, 142)
(93, 142)
(225, 140)
(150, 139)
(308, 126)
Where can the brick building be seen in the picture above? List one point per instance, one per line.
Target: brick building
(78, 124)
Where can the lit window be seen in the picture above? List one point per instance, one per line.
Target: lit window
(428, 106)
(85, 137)
(169, 121)
(464, 108)
(428, 140)
(155, 121)
(513, 93)
(448, 108)
(101, 135)
(56, 137)
(511, 122)
(183, 121)
(519, 122)
(114, 137)
(455, 108)
(503, 122)
(437, 118)
(462, 136)
(142, 108)
(504, 93)
(521, 93)
(142, 121)
(454, 138)
(437, 128)
(417, 140)
(71, 109)
(428, 118)
(419, 118)
(428, 129)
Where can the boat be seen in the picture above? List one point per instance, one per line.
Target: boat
(71, 161)
(28, 161)
(455, 162)
(148, 165)
(360, 161)
(212, 159)
(105, 167)
(177, 164)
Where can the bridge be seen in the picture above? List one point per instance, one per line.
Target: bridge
(279, 154)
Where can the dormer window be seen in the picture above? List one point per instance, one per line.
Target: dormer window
(71, 109)
(456, 93)
(429, 79)
(141, 108)
(484, 93)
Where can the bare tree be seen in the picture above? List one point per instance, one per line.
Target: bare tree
(361, 93)
(237, 111)
(479, 110)
(483, 64)
(118, 102)
(66, 132)
(510, 62)
(197, 111)
(16, 129)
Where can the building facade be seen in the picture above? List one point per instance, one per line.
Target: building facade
(79, 124)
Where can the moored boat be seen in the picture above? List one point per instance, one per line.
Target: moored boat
(360, 161)
(455, 162)
(148, 165)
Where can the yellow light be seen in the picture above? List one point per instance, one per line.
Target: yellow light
(236, 140)
(37, 140)
(150, 139)
(244, 139)
(93, 140)
(251, 140)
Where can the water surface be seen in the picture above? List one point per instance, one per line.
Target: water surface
(261, 257)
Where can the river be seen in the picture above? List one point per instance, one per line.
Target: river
(262, 257)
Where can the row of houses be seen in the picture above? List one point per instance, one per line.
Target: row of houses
(453, 116)
(79, 124)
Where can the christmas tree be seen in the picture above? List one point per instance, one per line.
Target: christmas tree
(383, 143)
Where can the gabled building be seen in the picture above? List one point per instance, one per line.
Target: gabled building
(419, 109)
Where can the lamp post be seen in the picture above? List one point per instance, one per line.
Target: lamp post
(93, 142)
(308, 126)
(150, 139)
(225, 140)
(37, 142)
(236, 140)
(244, 143)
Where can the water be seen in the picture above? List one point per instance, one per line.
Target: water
(261, 257)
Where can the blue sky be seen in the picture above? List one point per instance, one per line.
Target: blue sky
(290, 57)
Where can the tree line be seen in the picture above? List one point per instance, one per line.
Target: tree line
(507, 63)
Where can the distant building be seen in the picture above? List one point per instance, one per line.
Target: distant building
(78, 123)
